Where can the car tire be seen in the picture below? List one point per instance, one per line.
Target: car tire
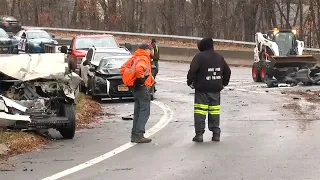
(67, 110)
(96, 98)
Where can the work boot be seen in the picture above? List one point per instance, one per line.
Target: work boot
(142, 140)
(133, 138)
(198, 138)
(215, 137)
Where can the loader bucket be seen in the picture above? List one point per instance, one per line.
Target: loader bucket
(300, 61)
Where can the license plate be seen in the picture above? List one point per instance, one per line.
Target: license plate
(123, 88)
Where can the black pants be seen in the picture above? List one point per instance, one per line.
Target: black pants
(155, 72)
(207, 103)
(142, 101)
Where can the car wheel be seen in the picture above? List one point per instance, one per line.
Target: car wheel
(96, 98)
(67, 110)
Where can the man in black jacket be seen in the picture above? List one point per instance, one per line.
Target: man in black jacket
(208, 74)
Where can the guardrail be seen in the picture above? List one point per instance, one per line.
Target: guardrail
(138, 34)
(150, 35)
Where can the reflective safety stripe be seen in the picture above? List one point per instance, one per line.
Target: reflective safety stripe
(214, 110)
(201, 109)
(202, 106)
(202, 112)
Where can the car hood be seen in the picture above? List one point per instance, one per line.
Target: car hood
(95, 63)
(5, 39)
(41, 40)
(109, 71)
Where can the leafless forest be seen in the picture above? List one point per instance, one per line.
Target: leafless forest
(222, 19)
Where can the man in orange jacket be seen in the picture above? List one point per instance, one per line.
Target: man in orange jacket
(136, 73)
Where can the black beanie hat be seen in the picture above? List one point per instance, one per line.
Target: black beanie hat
(144, 46)
(205, 44)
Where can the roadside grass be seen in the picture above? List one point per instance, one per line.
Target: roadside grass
(25, 141)
(167, 41)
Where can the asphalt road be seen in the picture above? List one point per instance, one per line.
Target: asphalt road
(260, 140)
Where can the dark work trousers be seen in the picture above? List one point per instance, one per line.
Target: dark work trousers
(207, 104)
(142, 101)
(155, 72)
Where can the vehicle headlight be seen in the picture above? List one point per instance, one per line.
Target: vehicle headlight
(35, 44)
(100, 80)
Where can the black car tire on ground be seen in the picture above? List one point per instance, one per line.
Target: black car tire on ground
(15, 51)
(67, 110)
(96, 98)
(27, 50)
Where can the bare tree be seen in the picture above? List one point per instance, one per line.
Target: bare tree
(226, 19)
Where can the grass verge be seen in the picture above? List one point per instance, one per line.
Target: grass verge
(21, 142)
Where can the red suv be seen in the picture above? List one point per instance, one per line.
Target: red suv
(80, 45)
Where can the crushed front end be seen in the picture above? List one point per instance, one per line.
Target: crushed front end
(35, 100)
(109, 86)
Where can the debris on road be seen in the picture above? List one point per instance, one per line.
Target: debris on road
(305, 76)
(129, 117)
(279, 60)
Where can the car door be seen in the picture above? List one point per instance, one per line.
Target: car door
(85, 68)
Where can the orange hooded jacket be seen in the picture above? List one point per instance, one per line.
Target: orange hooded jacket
(138, 66)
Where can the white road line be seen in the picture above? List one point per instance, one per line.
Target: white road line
(165, 119)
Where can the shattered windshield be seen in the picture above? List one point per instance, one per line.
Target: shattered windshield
(86, 43)
(285, 42)
(110, 63)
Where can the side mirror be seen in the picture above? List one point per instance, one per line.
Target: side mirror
(64, 49)
(92, 69)
(128, 46)
(53, 36)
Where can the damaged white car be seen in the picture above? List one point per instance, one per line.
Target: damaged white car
(37, 93)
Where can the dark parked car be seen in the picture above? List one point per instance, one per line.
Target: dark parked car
(10, 24)
(105, 81)
(8, 44)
